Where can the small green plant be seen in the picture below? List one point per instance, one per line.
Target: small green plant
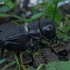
(64, 28)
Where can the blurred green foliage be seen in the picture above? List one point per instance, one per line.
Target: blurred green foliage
(7, 6)
(49, 12)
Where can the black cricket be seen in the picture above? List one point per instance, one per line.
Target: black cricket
(18, 39)
(22, 40)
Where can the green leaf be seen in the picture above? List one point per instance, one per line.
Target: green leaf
(10, 4)
(67, 29)
(36, 16)
(2, 60)
(40, 66)
(63, 36)
(15, 23)
(37, 53)
(63, 65)
(15, 16)
(49, 11)
(17, 61)
(4, 9)
(4, 15)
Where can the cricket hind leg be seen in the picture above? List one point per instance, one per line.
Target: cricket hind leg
(31, 54)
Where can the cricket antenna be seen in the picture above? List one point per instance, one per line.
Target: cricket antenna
(55, 10)
(40, 29)
(54, 13)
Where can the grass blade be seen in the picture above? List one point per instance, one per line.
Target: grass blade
(22, 64)
(8, 65)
